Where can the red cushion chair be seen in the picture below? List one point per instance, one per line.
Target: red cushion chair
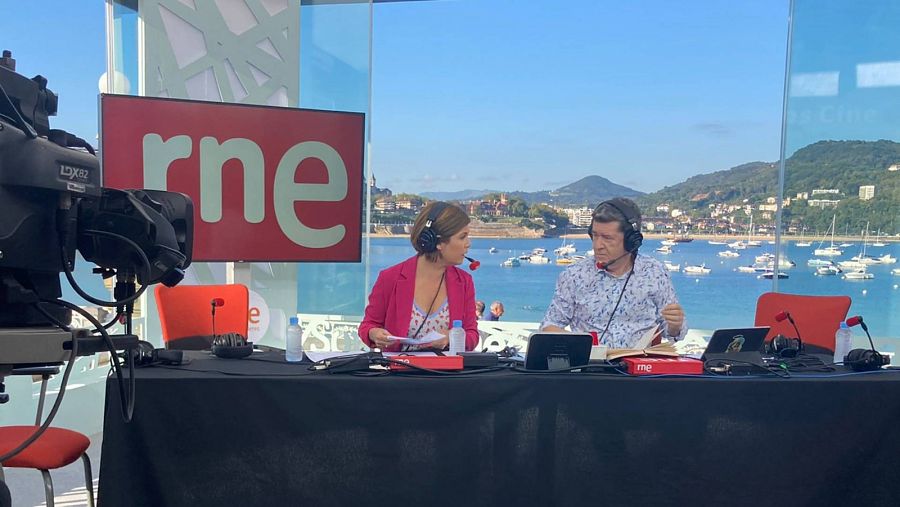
(55, 448)
(186, 317)
(817, 317)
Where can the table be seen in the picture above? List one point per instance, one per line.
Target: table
(257, 432)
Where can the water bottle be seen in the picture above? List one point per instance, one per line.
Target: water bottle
(293, 343)
(457, 338)
(843, 342)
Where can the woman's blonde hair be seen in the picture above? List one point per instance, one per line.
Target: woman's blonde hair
(448, 219)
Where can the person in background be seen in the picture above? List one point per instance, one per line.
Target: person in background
(496, 311)
(618, 293)
(426, 292)
(479, 310)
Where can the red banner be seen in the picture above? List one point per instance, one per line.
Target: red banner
(268, 183)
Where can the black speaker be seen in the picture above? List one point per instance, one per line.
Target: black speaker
(429, 238)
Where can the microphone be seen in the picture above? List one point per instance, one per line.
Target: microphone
(214, 302)
(784, 314)
(473, 264)
(857, 320)
(605, 265)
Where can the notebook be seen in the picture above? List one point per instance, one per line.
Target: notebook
(742, 344)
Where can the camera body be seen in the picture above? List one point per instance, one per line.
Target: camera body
(52, 203)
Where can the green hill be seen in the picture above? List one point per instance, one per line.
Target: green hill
(841, 165)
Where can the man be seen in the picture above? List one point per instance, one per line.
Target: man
(479, 310)
(618, 293)
(496, 311)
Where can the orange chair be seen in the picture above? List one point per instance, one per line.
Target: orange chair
(817, 317)
(186, 317)
(55, 448)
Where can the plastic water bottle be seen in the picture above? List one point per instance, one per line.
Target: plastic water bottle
(293, 343)
(457, 338)
(843, 342)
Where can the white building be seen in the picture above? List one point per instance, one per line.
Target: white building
(866, 192)
(824, 203)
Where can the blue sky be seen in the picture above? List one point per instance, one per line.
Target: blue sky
(516, 95)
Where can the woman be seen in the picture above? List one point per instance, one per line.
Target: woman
(426, 292)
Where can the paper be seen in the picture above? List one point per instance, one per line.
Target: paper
(647, 338)
(411, 353)
(432, 336)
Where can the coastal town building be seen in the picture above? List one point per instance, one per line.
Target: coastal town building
(866, 192)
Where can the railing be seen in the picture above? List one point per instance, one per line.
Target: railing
(338, 333)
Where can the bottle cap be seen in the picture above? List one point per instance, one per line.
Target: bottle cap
(294, 321)
(844, 325)
(457, 323)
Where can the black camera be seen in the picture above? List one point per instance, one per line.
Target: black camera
(52, 203)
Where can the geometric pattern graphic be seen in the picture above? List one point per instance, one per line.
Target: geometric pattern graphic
(244, 51)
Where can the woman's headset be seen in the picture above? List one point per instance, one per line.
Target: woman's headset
(429, 238)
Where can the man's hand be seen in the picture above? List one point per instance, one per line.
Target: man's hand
(380, 337)
(674, 317)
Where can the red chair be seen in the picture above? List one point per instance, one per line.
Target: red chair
(817, 317)
(55, 448)
(186, 317)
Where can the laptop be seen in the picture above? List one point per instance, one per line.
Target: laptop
(744, 344)
(556, 351)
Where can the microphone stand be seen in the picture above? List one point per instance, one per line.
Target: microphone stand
(794, 324)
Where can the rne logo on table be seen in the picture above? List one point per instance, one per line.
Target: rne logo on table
(268, 183)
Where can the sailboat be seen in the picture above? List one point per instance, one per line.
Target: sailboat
(829, 251)
(715, 240)
(877, 242)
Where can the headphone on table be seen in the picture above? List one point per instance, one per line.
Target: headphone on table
(783, 346)
(429, 238)
(865, 360)
(145, 354)
(633, 237)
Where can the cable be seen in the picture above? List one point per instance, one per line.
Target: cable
(111, 323)
(728, 363)
(68, 271)
(127, 402)
(625, 286)
(52, 414)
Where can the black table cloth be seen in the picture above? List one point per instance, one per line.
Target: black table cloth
(262, 432)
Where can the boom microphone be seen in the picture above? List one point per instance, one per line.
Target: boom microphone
(605, 265)
(862, 359)
(857, 320)
(473, 264)
(214, 302)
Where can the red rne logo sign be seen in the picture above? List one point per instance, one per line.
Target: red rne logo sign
(268, 183)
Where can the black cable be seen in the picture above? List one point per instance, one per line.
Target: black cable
(73, 354)
(111, 323)
(67, 269)
(127, 403)
(625, 286)
(727, 363)
(17, 116)
(430, 307)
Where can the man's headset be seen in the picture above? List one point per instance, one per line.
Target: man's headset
(633, 237)
(429, 238)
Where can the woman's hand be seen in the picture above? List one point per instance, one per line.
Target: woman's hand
(380, 337)
(439, 344)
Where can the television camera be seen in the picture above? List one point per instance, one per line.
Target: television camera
(52, 204)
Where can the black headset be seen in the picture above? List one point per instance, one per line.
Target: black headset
(865, 360)
(633, 237)
(145, 354)
(429, 238)
(783, 346)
